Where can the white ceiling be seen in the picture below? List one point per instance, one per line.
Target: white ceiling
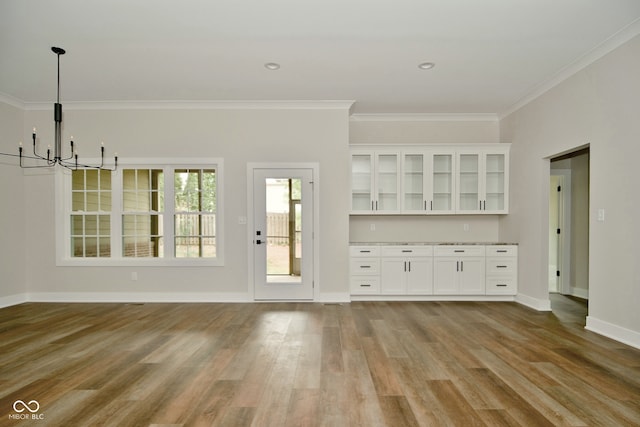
(489, 54)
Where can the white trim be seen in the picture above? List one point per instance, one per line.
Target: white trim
(315, 167)
(534, 303)
(10, 300)
(334, 298)
(480, 298)
(139, 297)
(615, 332)
(12, 100)
(425, 117)
(63, 201)
(194, 105)
(580, 292)
(607, 46)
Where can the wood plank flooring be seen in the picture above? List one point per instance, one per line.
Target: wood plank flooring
(286, 364)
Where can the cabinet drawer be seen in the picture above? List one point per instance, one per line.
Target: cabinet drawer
(501, 286)
(502, 265)
(459, 250)
(364, 251)
(364, 266)
(362, 285)
(501, 250)
(407, 251)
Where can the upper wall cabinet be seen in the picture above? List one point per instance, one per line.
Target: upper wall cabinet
(375, 182)
(430, 179)
(482, 185)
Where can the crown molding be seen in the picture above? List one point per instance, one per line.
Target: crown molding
(11, 100)
(425, 117)
(195, 105)
(618, 39)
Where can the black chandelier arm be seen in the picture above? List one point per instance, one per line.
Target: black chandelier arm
(57, 158)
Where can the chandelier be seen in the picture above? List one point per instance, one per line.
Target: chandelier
(56, 158)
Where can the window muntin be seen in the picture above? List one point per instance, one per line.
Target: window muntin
(90, 217)
(141, 213)
(195, 213)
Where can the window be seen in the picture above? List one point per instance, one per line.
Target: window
(149, 214)
(91, 213)
(142, 206)
(195, 213)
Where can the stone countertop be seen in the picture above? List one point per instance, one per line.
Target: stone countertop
(429, 243)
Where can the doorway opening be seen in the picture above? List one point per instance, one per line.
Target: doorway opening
(569, 224)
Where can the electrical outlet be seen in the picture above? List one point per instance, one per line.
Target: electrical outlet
(372, 227)
(465, 227)
(134, 275)
(601, 215)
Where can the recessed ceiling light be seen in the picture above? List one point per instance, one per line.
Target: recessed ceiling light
(426, 65)
(272, 66)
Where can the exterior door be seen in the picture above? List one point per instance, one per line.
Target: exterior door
(283, 234)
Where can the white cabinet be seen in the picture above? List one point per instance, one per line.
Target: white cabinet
(406, 270)
(434, 270)
(375, 181)
(365, 270)
(502, 269)
(482, 181)
(459, 270)
(430, 179)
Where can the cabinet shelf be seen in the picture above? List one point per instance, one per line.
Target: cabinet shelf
(451, 179)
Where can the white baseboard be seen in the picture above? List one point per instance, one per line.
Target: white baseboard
(10, 300)
(138, 297)
(334, 297)
(580, 292)
(150, 297)
(615, 332)
(489, 298)
(535, 303)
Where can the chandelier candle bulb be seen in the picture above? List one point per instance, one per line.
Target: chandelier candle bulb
(56, 156)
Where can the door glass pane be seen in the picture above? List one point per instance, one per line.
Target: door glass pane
(284, 229)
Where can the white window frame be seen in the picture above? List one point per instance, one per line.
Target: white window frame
(63, 212)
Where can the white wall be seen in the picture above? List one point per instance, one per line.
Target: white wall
(427, 129)
(238, 136)
(599, 106)
(12, 241)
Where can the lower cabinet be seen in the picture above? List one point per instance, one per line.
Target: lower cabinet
(406, 270)
(459, 270)
(434, 270)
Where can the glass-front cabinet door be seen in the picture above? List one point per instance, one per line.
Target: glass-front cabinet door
(428, 182)
(375, 182)
(495, 172)
(387, 183)
(468, 183)
(442, 183)
(414, 197)
(483, 182)
(362, 182)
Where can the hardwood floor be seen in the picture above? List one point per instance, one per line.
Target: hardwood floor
(359, 364)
